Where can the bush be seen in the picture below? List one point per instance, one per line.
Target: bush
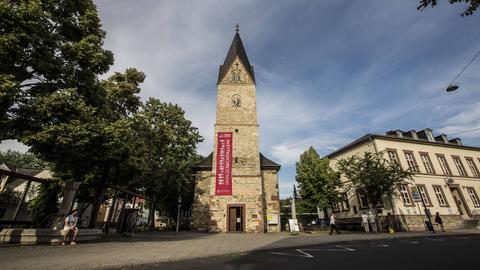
(44, 205)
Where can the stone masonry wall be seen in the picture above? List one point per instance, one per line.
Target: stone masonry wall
(272, 202)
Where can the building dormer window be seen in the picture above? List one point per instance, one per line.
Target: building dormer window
(430, 136)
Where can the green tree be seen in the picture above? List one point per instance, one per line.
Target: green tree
(94, 145)
(473, 5)
(374, 177)
(319, 184)
(44, 205)
(169, 147)
(46, 46)
(23, 160)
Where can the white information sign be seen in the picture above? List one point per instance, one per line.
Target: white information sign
(272, 219)
(293, 223)
(416, 195)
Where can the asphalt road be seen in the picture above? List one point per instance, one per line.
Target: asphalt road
(437, 253)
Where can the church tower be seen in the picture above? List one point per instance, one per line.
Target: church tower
(237, 187)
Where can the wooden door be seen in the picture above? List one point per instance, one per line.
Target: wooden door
(232, 219)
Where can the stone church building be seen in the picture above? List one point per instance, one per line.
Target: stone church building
(236, 185)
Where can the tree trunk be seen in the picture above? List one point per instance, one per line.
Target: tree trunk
(110, 213)
(97, 201)
(377, 219)
(374, 208)
(151, 213)
(397, 226)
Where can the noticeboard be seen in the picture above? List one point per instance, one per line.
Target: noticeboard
(293, 223)
(272, 219)
(416, 195)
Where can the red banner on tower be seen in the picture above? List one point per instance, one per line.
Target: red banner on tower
(223, 183)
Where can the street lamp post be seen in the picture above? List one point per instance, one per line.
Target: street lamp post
(178, 213)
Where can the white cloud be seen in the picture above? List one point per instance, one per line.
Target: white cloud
(466, 120)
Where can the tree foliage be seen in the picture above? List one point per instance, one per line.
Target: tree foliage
(93, 131)
(473, 5)
(168, 146)
(318, 182)
(373, 176)
(44, 205)
(46, 46)
(23, 160)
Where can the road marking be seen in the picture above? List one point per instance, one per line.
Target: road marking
(304, 254)
(415, 242)
(384, 245)
(339, 248)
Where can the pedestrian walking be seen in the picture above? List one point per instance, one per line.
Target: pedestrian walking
(365, 222)
(373, 222)
(439, 221)
(71, 227)
(333, 225)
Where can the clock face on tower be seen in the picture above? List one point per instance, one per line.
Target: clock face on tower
(236, 101)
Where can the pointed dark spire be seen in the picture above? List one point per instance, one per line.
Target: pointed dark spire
(236, 49)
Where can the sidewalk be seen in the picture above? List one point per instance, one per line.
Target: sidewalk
(160, 246)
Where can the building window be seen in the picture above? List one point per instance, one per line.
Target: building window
(444, 165)
(472, 166)
(393, 157)
(474, 196)
(363, 201)
(440, 195)
(459, 165)
(412, 164)
(336, 207)
(345, 203)
(427, 163)
(430, 136)
(406, 199)
(422, 189)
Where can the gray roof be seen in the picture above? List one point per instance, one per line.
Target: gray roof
(236, 49)
(265, 163)
(369, 137)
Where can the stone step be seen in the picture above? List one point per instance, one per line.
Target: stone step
(34, 236)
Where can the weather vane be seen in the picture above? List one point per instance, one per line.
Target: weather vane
(237, 27)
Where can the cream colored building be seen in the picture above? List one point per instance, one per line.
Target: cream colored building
(241, 195)
(446, 173)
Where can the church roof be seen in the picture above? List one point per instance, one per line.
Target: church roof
(265, 163)
(236, 49)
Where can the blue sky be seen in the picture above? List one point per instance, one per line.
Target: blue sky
(327, 72)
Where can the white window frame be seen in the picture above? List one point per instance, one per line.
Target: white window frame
(442, 201)
(422, 189)
(444, 165)
(405, 194)
(427, 163)
(473, 167)
(473, 196)
(411, 162)
(458, 163)
(393, 157)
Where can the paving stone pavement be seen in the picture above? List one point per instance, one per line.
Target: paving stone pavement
(155, 247)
